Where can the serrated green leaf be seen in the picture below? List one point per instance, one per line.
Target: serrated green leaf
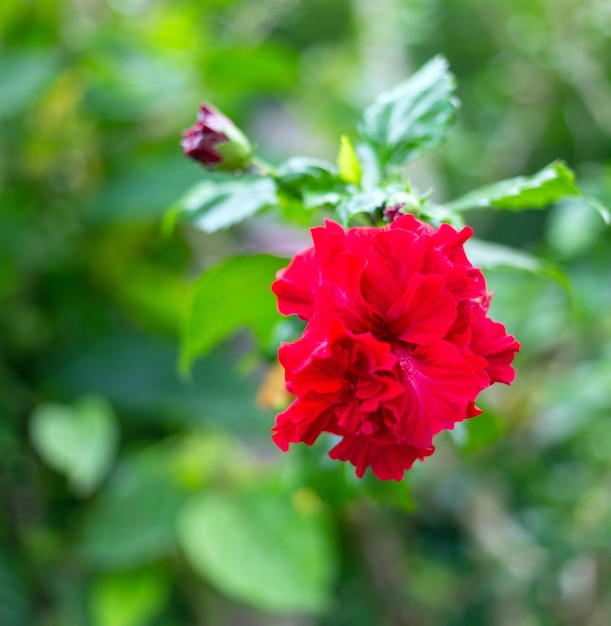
(413, 118)
(315, 182)
(349, 165)
(233, 294)
(372, 171)
(361, 202)
(551, 183)
(221, 201)
(261, 548)
(495, 256)
(296, 170)
(80, 441)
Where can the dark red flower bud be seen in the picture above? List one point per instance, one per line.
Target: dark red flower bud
(393, 211)
(216, 142)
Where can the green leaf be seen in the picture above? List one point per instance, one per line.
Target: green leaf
(233, 294)
(128, 599)
(313, 181)
(297, 170)
(524, 192)
(413, 118)
(495, 256)
(361, 202)
(80, 441)
(262, 548)
(132, 522)
(482, 431)
(372, 173)
(221, 201)
(599, 207)
(573, 227)
(348, 162)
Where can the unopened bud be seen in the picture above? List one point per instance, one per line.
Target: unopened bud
(216, 142)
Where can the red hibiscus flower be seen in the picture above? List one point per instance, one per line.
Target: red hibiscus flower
(398, 344)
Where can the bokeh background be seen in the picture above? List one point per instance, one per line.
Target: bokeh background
(132, 497)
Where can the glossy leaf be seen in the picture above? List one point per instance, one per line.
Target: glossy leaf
(360, 202)
(315, 182)
(524, 192)
(220, 201)
(266, 549)
(495, 256)
(297, 170)
(233, 294)
(599, 207)
(372, 172)
(80, 441)
(573, 227)
(413, 118)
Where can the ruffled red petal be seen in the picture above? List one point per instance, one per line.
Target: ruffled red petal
(387, 462)
(398, 343)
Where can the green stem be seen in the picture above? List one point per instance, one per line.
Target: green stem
(263, 167)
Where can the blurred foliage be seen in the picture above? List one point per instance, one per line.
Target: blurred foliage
(130, 497)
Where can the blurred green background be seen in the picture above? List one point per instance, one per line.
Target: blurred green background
(129, 497)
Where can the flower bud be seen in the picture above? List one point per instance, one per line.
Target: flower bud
(216, 142)
(393, 211)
